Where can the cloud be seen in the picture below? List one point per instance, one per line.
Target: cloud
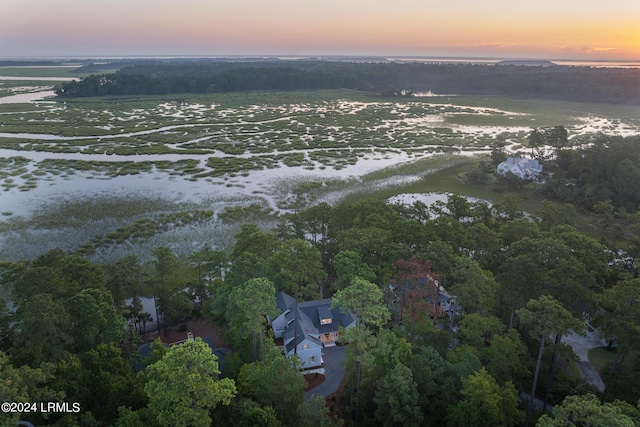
(584, 49)
(496, 45)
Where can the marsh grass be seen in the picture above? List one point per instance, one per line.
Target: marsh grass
(245, 132)
(242, 133)
(302, 193)
(247, 213)
(53, 71)
(105, 227)
(145, 228)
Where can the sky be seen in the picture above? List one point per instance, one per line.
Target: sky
(545, 29)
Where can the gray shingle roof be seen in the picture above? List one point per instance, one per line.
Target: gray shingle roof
(309, 315)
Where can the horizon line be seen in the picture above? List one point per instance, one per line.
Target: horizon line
(313, 56)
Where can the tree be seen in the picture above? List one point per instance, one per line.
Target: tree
(477, 176)
(164, 263)
(414, 282)
(260, 417)
(558, 138)
(314, 413)
(535, 140)
(41, 331)
(546, 316)
(276, 382)
(603, 212)
(158, 350)
(250, 239)
(5, 326)
(349, 264)
(208, 264)
(397, 398)
(437, 382)
(519, 228)
(25, 384)
(105, 373)
(552, 214)
(298, 269)
(184, 386)
(123, 279)
(94, 320)
(53, 273)
(586, 410)
(178, 307)
(314, 222)
(366, 302)
(485, 403)
(621, 320)
(498, 154)
(475, 289)
(500, 350)
(520, 282)
(248, 306)
(246, 266)
(142, 319)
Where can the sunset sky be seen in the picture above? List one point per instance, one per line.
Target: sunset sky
(550, 29)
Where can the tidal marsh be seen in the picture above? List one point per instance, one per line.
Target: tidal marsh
(244, 156)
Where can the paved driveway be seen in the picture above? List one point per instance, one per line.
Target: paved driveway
(581, 344)
(333, 372)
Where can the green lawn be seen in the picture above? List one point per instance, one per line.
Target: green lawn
(601, 358)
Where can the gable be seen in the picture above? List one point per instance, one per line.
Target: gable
(522, 167)
(324, 315)
(314, 319)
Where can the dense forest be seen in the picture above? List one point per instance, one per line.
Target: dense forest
(584, 84)
(523, 282)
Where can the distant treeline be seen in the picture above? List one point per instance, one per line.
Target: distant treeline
(606, 85)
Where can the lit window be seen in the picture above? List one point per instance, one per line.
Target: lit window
(325, 321)
(305, 346)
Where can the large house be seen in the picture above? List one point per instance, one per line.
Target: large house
(315, 327)
(521, 167)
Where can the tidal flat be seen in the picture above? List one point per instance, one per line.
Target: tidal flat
(110, 176)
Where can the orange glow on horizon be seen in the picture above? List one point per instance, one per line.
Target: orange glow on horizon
(401, 27)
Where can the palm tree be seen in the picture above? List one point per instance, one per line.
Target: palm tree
(144, 318)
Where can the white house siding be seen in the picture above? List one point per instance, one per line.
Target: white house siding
(279, 324)
(307, 356)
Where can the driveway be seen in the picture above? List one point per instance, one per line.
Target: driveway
(333, 372)
(581, 346)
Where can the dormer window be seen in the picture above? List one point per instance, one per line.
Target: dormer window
(324, 315)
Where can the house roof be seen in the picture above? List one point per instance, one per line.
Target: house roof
(441, 298)
(284, 301)
(301, 336)
(309, 324)
(522, 167)
(437, 295)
